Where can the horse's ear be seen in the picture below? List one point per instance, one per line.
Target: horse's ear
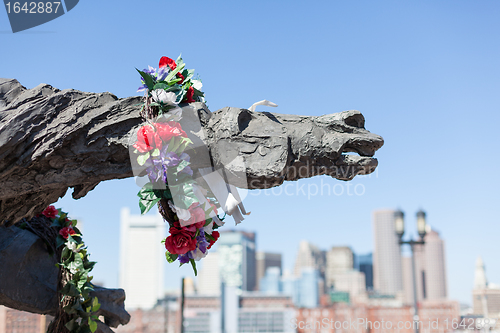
(244, 118)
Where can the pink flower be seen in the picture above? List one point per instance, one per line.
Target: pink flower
(197, 219)
(167, 131)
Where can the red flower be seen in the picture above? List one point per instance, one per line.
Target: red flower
(167, 131)
(180, 76)
(180, 241)
(50, 212)
(215, 235)
(166, 61)
(66, 231)
(188, 98)
(147, 139)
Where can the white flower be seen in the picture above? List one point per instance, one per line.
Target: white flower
(160, 95)
(197, 84)
(182, 214)
(198, 255)
(72, 246)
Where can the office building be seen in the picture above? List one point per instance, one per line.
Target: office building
(387, 270)
(209, 274)
(339, 260)
(309, 256)
(436, 287)
(264, 260)
(364, 263)
(271, 283)
(142, 258)
(430, 265)
(236, 251)
(308, 285)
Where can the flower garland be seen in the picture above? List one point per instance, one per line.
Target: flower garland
(162, 148)
(78, 306)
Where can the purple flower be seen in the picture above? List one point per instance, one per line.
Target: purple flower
(184, 258)
(170, 159)
(163, 73)
(201, 241)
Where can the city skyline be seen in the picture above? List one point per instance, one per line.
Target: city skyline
(422, 74)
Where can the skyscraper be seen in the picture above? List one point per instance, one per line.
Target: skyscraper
(141, 258)
(209, 276)
(309, 256)
(387, 270)
(308, 285)
(435, 267)
(364, 263)
(339, 260)
(237, 259)
(264, 260)
(430, 265)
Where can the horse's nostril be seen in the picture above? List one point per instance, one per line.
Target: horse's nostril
(355, 120)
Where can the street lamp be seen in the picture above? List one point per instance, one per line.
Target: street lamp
(399, 226)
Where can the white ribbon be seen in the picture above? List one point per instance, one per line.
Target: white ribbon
(227, 195)
(264, 102)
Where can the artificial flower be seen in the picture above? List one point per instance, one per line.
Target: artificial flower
(147, 139)
(72, 246)
(180, 241)
(50, 212)
(166, 61)
(66, 232)
(168, 130)
(189, 96)
(166, 97)
(182, 214)
(216, 236)
(196, 220)
(197, 84)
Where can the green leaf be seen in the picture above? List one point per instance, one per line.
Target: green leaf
(95, 305)
(193, 264)
(60, 241)
(170, 257)
(156, 152)
(146, 205)
(210, 237)
(185, 142)
(160, 85)
(70, 289)
(181, 166)
(150, 82)
(172, 74)
(56, 223)
(183, 195)
(92, 325)
(173, 144)
(141, 159)
(147, 192)
(71, 325)
(198, 93)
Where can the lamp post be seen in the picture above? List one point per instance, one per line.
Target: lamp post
(400, 230)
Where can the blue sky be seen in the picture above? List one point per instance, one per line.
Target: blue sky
(424, 74)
